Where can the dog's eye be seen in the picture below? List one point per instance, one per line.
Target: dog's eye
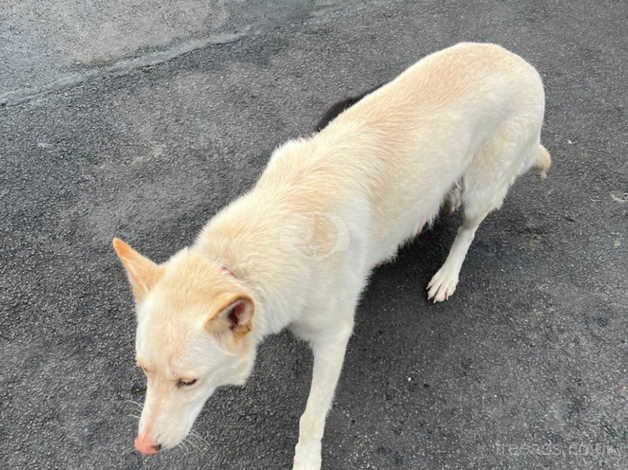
(185, 383)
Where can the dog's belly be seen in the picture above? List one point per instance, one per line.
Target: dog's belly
(384, 248)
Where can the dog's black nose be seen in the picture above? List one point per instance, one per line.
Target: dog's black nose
(157, 447)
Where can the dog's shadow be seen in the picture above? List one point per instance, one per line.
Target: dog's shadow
(394, 315)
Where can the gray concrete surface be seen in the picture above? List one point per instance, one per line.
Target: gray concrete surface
(142, 119)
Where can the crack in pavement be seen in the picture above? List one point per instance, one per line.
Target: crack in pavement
(119, 67)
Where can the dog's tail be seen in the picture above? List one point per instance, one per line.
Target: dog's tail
(543, 162)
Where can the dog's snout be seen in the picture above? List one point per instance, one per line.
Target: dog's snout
(146, 445)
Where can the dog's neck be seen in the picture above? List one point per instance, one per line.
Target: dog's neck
(228, 271)
(252, 256)
(248, 237)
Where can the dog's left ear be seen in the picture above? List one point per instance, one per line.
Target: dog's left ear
(231, 321)
(143, 274)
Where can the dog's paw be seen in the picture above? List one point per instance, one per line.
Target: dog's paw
(306, 464)
(307, 457)
(442, 285)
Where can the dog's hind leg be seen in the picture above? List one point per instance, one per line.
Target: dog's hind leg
(485, 183)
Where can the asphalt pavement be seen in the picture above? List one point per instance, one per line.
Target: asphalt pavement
(141, 119)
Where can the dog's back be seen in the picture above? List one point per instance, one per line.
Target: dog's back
(405, 145)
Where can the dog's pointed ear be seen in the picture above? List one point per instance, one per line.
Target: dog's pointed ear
(231, 321)
(143, 274)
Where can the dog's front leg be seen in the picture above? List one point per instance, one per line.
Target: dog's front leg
(328, 357)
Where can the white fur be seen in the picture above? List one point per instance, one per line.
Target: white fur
(327, 209)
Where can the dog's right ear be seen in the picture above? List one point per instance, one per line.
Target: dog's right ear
(231, 320)
(143, 274)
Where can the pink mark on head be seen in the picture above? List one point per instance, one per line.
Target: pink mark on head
(229, 271)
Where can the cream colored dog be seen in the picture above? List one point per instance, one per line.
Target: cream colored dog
(296, 250)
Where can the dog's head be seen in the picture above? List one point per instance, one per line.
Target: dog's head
(194, 333)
